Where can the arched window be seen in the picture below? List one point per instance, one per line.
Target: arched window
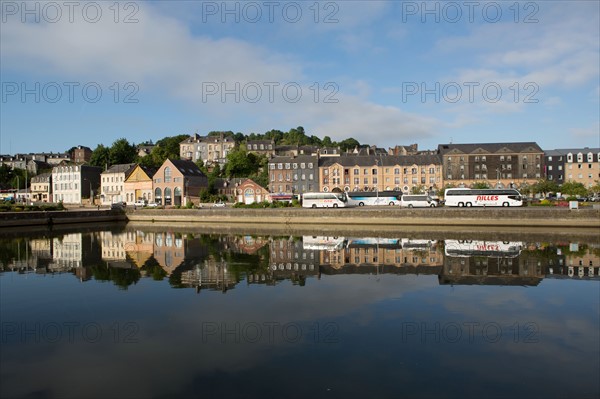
(167, 196)
(158, 195)
(167, 174)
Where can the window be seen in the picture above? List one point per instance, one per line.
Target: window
(356, 171)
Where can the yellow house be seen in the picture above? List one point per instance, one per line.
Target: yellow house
(138, 185)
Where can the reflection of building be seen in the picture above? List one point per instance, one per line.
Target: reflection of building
(578, 263)
(169, 250)
(383, 255)
(290, 259)
(212, 274)
(247, 244)
(67, 252)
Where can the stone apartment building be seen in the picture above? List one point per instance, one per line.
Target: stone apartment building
(81, 154)
(380, 173)
(294, 174)
(497, 164)
(261, 147)
(210, 149)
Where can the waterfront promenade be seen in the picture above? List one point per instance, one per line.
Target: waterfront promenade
(383, 217)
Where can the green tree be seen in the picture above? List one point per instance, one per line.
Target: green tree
(420, 189)
(122, 152)
(481, 185)
(326, 142)
(573, 188)
(167, 147)
(100, 156)
(348, 144)
(240, 164)
(544, 187)
(275, 135)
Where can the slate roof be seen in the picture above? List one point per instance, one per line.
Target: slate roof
(490, 147)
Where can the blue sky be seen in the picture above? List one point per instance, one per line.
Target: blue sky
(383, 72)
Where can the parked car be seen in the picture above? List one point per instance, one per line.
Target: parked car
(152, 205)
(219, 205)
(140, 203)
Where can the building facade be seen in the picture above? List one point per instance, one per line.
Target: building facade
(41, 188)
(497, 164)
(380, 173)
(113, 183)
(579, 165)
(81, 154)
(138, 185)
(178, 181)
(209, 149)
(74, 183)
(294, 175)
(261, 147)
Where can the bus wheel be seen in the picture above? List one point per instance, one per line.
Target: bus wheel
(314, 205)
(505, 204)
(391, 203)
(432, 206)
(469, 205)
(361, 204)
(410, 205)
(460, 204)
(335, 205)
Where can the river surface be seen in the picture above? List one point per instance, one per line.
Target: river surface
(128, 312)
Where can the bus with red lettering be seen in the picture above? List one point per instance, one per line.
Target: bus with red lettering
(490, 249)
(468, 197)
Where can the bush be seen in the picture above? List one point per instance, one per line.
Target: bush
(189, 205)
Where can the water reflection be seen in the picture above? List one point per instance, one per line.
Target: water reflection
(174, 314)
(220, 262)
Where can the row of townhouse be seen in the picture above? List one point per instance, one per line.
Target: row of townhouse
(497, 164)
(174, 183)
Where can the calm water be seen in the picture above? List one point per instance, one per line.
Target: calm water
(135, 313)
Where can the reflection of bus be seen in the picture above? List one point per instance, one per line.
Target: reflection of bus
(482, 197)
(408, 243)
(362, 198)
(418, 201)
(322, 243)
(324, 200)
(376, 242)
(504, 249)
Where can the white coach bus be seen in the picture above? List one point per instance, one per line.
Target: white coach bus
(324, 200)
(482, 197)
